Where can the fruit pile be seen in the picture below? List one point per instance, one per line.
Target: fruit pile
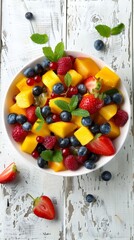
(67, 113)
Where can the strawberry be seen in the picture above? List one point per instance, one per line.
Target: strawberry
(92, 84)
(49, 142)
(91, 103)
(120, 118)
(101, 145)
(30, 114)
(18, 133)
(64, 65)
(71, 163)
(9, 173)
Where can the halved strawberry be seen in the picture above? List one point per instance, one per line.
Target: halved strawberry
(64, 65)
(91, 103)
(101, 145)
(92, 84)
(9, 173)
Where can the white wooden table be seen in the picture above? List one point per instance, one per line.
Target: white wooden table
(112, 217)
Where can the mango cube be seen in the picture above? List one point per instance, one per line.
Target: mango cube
(57, 166)
(22, 85)
(16, 109)
(76, 77)
(115, 130)
(62, 129)
(84, 135)
(29, 143)
(24, 99)
(44, 131)
(77, 120)
(50, 79)
(108, 111)
(86, 67)
(54, 107)
(99, 119)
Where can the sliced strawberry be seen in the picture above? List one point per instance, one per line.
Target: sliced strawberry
(9, 173)
(64, 65)
(49, 142)
(120, 118)
(101, 145)
(92, 84)
(30, 114)
(91, 103)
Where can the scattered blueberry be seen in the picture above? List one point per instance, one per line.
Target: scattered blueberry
(21, 118)
(40, 147)
(117, 98)
(74, 141)
(39, 69)
(82, 89)
(98, 45)
(42, 163)
(106, 176)
(58, 88)
(107, 99)
(90, 164)
(82, 151)
(11, 118)
(45, 111)
(95, 128)
(37, 90)
(86, 121)
(105, 128)
(29, 72)
(45, 64)
(90, 198)
(65, 116)
(64, 142)
(27, 126)
(93, 157)
(29, 15)
(79, 97)
(49, 119)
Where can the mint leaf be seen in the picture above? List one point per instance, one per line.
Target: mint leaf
(68, 79)
(48, 52)
(57, 156)
(80, 112)
(73, 103)
(118, 29)
(62, 104)
(39, 38)
(59, 51)
(103, 30)
(47, 155)
(40, 125)
(111, 91)
(38, 113)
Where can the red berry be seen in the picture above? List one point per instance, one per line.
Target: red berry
(37, 78)
(56, 118)
(49, 142)
(65, 152)
(120, 118)
(72, 91)
(35, 154)
(71, 163)
(30, 114)
(54, 95)
(53, 65)
(81, 159)
(91, 103)
(30, 81)
(18, 133)
(64, 65)
(40, 139)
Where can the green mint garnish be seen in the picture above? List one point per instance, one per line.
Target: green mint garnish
(52, 156)
(106, 31)
(41, 119)
(73, 102)
(111, 91)
(80, 112)
(63, 105)
(48, 52)
(39, 38)
(68, 79)
(55, 55)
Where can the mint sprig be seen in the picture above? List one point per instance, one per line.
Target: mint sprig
(40, 117)
(52, 156)
(106, 31)
(39, 38)
(68, 79)
(55, 55)
(80, 112)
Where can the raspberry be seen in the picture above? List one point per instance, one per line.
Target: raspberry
(30, 113)
(49, 142)
(120, 118)
(18, 133)
(64, 65)
(71, 163)
(91, 103)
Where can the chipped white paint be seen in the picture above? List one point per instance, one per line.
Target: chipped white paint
(111, 217)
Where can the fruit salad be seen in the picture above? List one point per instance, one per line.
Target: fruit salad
(66, 113)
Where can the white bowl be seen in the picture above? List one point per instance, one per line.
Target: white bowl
(118, 142)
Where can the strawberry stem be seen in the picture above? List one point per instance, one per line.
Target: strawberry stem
(30, 196)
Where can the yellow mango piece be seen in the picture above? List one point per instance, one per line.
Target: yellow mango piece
(16, 109)
(50, 78)
(54, 107)
(86, 67)
(22, 85)
(62, 129)
(24, 99)
(84, 135)
(108, 111)
(99, 119)
(77, 120)
(108, 78)
(29, 143)
(115, 130)
(44, 131)
(57, 166)
(76, 77)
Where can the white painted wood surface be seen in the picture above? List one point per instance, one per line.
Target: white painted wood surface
(112, 216)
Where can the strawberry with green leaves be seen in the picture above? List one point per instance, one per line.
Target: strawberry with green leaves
(91, 103)
(92, 84)
(9, 174)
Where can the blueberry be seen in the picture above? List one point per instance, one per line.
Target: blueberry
(45, 111)
(37, 90)
(11, 118)
(40, 147)
(82, 89)
(105, 128)
(79, 97)
(107, 99)
(89, 164)
(27, 126)
(39, 69)
(93, 157)
(106, 176)
(63, 142)
(58, 88)
(21, 118)
(98, 45)
(117, 98)
(86, 121)
(45, 64)
(90, 198)
(29, 15)
(82, 151)
(49, 119)
(65, 116)
(42, 163)
(74, 141)
(29, 72)
(95, 128)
